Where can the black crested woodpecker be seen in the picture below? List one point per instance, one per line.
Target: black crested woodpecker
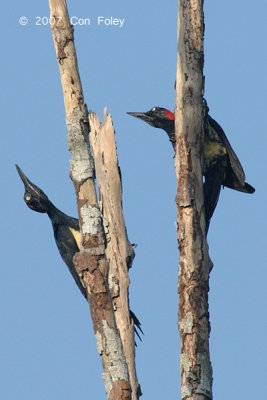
(221, 165)
(66, 231)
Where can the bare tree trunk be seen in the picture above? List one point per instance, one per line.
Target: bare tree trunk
(119, 251)
(195, 264)
(91, 263)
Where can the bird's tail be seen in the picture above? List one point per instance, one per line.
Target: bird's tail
(249, 188)
(244, 188)
(137, 325)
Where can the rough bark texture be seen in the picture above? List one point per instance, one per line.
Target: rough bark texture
(91, 262)
(119, 251)
(195, 264)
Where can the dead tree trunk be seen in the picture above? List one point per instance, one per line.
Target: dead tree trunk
(119, 251)
(91, 263)
(195, 264)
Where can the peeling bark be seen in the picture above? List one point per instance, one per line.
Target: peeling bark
(91, 263)
(119, 251)
(195, 264)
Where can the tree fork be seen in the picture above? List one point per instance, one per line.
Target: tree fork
(91, 262)
(195, 264)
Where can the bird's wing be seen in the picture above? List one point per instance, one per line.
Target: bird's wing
(68, 238)
(67, 246)
(73, 223)
(234, 161)
(212, 187)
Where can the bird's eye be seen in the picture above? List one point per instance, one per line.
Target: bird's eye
(27, 197)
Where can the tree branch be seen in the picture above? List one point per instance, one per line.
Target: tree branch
(195, 264)
(119, 251)
(91, 262)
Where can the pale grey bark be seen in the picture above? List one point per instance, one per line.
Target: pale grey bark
(195, 264)
(119, 251)
(91, 262)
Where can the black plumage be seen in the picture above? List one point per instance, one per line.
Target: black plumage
(66, 231)
(221, 166)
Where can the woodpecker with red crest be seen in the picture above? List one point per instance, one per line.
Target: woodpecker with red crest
(221, 166)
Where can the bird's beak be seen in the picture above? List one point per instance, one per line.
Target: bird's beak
(141, 115)
(136, 114)
(27, 183)
(23, 177)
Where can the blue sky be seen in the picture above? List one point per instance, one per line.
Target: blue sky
(47, 346)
